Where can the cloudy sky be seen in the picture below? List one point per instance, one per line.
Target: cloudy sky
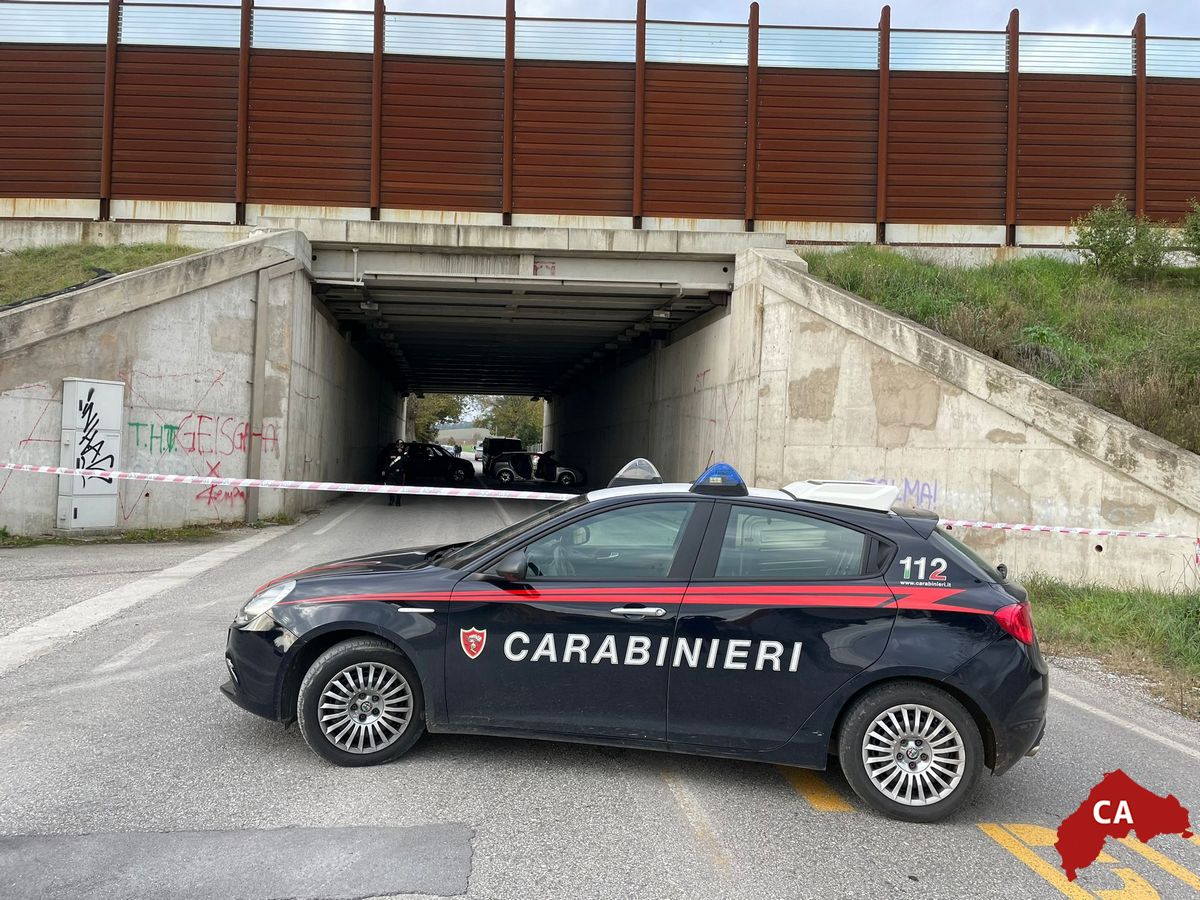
(1175, 17)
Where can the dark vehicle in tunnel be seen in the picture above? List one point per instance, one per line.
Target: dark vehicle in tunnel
(511, 467)
(780, 626)
(432, 462)
(492, 447)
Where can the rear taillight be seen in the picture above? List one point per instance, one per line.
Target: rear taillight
(1017, 620)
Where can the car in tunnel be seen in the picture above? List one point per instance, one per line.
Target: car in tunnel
(433, 462)
(509, 468)
(783, 626)
(492, 447)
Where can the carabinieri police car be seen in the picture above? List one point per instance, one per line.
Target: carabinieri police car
(773, 625)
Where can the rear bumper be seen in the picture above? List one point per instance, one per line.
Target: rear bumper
(1012, 690)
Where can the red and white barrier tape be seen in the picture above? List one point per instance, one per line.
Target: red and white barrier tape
(1063, 529)
(355, 487)
(335, 486)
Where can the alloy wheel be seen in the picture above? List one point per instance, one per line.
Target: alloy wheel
(913, 754)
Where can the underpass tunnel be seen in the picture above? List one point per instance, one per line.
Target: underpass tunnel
(545, 327)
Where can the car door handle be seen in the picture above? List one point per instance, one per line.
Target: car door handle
(655, 611)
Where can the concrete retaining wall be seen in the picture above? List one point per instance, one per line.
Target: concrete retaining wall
(801, 380)
(182, 337)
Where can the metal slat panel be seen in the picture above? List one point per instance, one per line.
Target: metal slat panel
(194, 119)
(816, 146)
(574, 138)
(1172, 147)
(1059, 148)
(695, 151)
(430, 141)
(332, 113)
(71, 118)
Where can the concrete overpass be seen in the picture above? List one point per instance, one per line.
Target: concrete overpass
(288, 354)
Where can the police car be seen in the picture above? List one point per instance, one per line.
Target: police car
(774, 625)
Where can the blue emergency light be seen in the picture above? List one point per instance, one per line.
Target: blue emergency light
(721, 479)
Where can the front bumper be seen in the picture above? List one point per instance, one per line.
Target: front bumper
(255, 663)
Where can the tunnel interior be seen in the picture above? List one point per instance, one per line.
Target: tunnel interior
(520, 324)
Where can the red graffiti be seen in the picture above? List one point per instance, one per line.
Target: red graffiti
(220, 435)
(214, 495)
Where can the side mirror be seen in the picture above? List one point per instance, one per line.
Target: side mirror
(581, 536)
(1003, 570)
(513, 567)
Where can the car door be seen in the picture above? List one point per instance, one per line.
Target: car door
(577, 648)
(783, 608)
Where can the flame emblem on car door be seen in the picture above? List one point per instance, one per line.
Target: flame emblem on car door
(472, 640)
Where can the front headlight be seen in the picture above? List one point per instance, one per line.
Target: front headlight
(262, 602)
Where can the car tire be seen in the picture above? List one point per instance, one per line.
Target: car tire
(458, 475)
(356, 665)
(566, 479)
(505, 476)
(937, 738)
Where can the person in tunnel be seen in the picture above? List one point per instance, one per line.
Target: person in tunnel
(547, 466)
(396, 471)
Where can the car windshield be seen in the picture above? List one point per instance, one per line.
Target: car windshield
(465, 556)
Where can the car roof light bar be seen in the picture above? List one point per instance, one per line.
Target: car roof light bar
(721, 479)
(858, 494)
(636, 472)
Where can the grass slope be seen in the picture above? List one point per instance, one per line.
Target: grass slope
(40, 270)
(1131, 349)
(1131, 629)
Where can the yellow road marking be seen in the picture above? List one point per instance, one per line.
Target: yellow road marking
(1038, 865)
(698, 820)
(1195, 839)
(1187, 876)
(1133, 887)
(812, 787)
(1041, 836)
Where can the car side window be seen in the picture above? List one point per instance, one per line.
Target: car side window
(631, 543)
(781, 546)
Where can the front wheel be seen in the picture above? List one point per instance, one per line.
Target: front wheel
(566, 479)
(458, 475)
(361, 703)
(911, 751)
(505, 476)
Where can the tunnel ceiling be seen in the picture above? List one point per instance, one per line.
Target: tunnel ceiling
(507, 335)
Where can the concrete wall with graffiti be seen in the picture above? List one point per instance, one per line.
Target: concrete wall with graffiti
(800, 380)
(182, 338)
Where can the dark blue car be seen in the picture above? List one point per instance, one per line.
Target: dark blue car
(773, 625)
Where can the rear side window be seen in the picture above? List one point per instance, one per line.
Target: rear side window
(966, 557)
(780, 546)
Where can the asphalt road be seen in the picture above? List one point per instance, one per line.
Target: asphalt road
(125, 773)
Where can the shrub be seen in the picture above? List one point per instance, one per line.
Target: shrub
(1120, 245)
(1191, 231)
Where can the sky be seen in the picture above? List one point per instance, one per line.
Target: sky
(1164, 17)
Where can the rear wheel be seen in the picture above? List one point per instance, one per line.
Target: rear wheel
(566, 479)
(361, 703)
(911, 751)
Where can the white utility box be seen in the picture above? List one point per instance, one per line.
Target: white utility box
(92, 416)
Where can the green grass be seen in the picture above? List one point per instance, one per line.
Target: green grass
(1134, 622)
(1132, 349)
(40, 270)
